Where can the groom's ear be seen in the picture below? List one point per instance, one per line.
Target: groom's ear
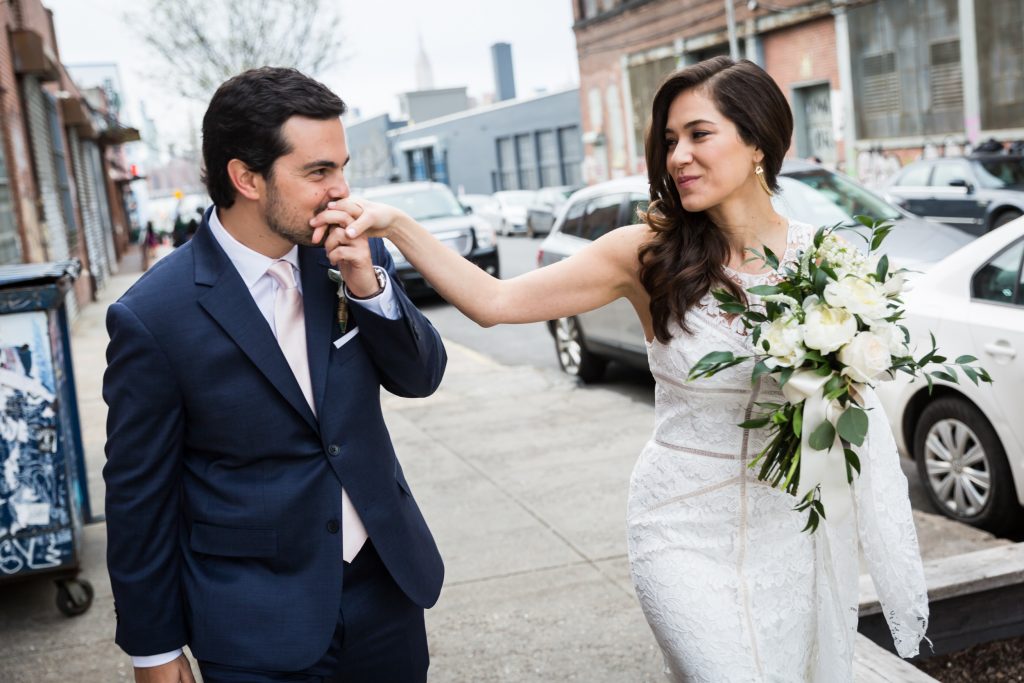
(247, 182)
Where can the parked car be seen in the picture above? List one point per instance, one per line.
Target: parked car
(484, 206)
(548, 201)
(435, 207)
(809, 194)
(512, 205)
(966, 440)
(975, 193)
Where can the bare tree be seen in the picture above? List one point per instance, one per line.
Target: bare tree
(205, 42)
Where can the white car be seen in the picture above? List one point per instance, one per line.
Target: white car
(512, 206)
(967, 440)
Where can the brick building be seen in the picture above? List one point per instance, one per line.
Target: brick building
(884, 77)
(62, 189)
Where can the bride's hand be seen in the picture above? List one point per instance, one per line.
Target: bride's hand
(357, 217)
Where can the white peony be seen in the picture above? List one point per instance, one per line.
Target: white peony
(826, 328)
(892, 335)
(865, 357)
(858, 296)
(785, 342)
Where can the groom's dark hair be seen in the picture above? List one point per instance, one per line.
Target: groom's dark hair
(244, 122)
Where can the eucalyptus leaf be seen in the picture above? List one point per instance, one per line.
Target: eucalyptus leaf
(823, 436)
(853, 425)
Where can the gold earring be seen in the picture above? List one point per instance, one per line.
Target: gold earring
(759, 172)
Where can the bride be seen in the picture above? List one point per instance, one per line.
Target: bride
(731, 587)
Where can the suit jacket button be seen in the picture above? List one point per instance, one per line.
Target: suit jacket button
(332, 526)
(333, 449)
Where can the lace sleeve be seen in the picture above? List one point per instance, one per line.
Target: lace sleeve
(887, 534)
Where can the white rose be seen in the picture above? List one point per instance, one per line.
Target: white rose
(826, 328)
(865, 357)
(893, 337)
(895, 285)
(859, 297)
(785, 342)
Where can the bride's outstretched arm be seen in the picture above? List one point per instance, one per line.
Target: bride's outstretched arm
(600, 273)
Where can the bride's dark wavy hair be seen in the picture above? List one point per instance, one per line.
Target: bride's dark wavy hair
(685, 259)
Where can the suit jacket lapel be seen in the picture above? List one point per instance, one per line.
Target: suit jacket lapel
(319, 303)
(230, 303)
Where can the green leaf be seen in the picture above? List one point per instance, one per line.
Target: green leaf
(853, 425)
(724, 295)
(812, 522)
(760, 368)
(883, 268)
(716, 357)
(866, 221)
(755, 423)
(784, 376)
(798, 420)
(965, 359)
(823, 436)
(755, 316)
(733, 308)
(820, 282)
(942, 374)
(765, 290)
(851, 457)
(770, 258)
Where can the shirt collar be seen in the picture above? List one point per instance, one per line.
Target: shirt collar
(250, 264)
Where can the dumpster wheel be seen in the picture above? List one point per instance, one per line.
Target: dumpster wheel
(74, 596)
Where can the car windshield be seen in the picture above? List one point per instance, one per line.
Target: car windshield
(523, 199)
(422, 204)
(1000, 173)
(824, 198)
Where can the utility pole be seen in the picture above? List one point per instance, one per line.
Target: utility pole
(730, 19)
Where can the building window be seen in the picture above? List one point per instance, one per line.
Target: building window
(507, 177)
(644, 80)
(547, 145)
(10, 245)
(570, 147)
(908, 77)
(947, 84)
(526, 156)
(1000, 36)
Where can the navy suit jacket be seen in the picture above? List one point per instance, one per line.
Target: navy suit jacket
(224, 490)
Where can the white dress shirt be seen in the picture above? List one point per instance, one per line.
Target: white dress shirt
(252, 266)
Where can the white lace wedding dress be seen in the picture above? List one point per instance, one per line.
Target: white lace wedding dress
(732, 588)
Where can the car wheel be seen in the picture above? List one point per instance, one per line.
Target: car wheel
(573, 356)
(963, 465)
(1005, 217)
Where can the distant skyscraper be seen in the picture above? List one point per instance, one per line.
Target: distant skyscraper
(504, 77)
(424, 73)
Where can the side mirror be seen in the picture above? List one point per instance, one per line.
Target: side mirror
(467, 209)
(960, 182)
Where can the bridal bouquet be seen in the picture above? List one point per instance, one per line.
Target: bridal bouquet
(829, 327)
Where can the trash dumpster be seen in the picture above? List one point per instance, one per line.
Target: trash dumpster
(43, 493)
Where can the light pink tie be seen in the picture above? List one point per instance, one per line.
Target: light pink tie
(290, 327)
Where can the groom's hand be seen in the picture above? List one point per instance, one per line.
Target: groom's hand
(175, 671)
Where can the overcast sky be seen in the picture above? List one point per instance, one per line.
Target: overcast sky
(380, 38)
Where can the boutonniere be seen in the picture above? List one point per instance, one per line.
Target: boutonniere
(342, 312)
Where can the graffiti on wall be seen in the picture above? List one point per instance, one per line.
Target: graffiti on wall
(33, 482)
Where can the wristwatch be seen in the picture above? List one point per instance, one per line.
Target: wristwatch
(382, 280)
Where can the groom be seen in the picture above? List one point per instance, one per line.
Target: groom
(256, 510)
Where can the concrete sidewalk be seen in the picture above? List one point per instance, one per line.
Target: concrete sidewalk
(522, 476)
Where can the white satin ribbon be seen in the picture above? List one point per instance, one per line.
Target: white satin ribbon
(827, 468)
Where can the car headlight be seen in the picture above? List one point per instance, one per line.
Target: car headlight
(396, 255)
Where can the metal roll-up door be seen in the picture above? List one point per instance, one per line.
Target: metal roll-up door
(99, 265)
(42, 157)
(94, 166)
